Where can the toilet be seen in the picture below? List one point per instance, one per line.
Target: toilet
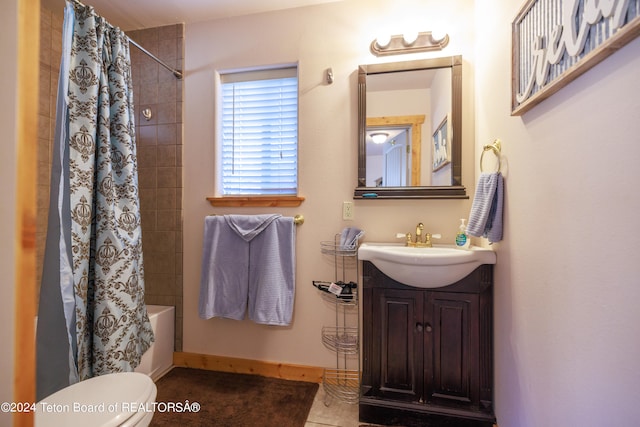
(125, 399)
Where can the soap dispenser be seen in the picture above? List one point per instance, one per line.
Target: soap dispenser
(462, 238)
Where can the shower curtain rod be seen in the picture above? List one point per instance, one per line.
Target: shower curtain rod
(176, 73)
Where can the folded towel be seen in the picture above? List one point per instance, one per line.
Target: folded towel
(349, 237)
(249, 226)
(248, 260)
(272, 273)
(224, 283)
(485, 218)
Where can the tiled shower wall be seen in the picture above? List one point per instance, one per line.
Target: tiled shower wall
(50, 51)
(159, 149)
(160, 163)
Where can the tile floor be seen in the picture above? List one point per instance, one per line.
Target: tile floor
(335, 414)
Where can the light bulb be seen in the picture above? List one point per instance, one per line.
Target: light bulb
(383, 40)
(379, 137)
(410, 37)
(438, 35)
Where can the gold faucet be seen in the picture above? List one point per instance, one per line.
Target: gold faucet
(419, 229)
(418, 242)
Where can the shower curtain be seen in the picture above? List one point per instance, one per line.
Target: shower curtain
(92, 318)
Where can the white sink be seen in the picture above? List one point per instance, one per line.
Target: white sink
(433, 267)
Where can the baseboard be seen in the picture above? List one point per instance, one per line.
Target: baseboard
(285, 371)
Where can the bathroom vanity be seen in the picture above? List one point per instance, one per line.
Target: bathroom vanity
(427, 351)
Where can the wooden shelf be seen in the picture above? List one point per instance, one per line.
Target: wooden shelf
(256, 201)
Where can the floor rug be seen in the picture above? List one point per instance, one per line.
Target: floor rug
(200, 398)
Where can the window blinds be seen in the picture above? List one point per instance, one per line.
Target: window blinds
(260, 132)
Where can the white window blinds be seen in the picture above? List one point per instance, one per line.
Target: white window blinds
(260, 132)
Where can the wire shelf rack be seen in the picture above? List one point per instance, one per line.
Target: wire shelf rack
(343, 299)
(330, 247)
(342, 384)
(343, 381)
(341, 338)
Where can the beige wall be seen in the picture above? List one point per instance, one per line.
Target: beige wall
(567, 321)
(335, 35)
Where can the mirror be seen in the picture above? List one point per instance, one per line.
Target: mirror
(413, 109)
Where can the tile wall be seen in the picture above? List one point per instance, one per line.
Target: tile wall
(50, 51)
(160, 163)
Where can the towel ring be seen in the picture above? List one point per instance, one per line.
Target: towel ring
(496, 147)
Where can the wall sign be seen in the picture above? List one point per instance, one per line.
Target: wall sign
(554, 41)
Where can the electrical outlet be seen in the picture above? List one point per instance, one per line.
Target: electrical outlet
(347, 210)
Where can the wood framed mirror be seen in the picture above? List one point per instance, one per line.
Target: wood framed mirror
(430, 88)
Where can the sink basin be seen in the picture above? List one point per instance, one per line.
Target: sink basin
(433, 267)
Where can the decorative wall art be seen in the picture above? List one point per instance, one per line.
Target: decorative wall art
(555, 41)
(441, 146)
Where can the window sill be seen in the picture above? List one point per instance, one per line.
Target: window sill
(256, 201)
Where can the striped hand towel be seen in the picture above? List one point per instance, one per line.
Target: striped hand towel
(349, 237)
(485, 218)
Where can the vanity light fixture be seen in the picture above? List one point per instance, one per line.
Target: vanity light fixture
(379, 137)
(410, 43)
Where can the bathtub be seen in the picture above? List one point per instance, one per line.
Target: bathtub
(158, 360)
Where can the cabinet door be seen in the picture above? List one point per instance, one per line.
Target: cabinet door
(451, 347)
(398, 314)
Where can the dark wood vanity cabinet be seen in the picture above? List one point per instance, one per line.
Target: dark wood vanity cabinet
(427, 353)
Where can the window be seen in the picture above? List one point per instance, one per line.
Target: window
(258, 147)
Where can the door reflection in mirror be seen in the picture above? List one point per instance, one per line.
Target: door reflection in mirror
(389, 161)
(425, 93)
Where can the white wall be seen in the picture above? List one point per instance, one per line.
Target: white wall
(334, 35)
(567, 323)
(8, 54)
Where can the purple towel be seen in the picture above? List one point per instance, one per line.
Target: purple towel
(248, 260)
(249, 226)
(224, 283)
(485, 218)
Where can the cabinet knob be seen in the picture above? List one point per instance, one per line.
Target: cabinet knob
(420, 327)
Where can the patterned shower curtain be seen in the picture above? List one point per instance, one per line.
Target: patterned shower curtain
(97, 209)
